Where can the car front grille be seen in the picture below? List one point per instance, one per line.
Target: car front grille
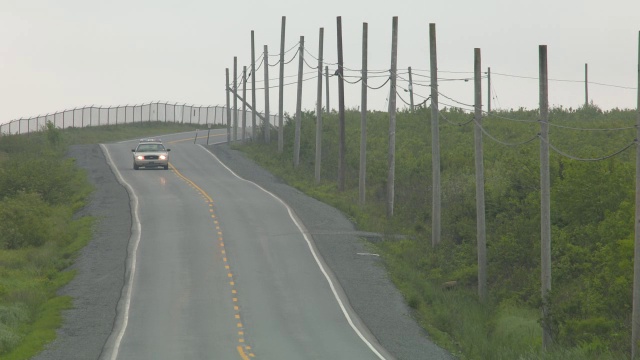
(151, 157)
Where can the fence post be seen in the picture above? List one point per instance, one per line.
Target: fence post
(281, 89)
(296, 144)
(545, 202)
(436, 216)
(392, 119)
(319, 107)
(363, 117)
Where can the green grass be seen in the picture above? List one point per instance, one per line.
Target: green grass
(508, 325)
(34, 270)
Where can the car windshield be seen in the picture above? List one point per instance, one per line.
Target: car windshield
(150, 147)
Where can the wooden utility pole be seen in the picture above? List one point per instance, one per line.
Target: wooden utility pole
(362, 193)
(586, 85)
(228, 109)
(391, 174)
(253, 86)
(319, 108)
(410, 90)
(281, 89)
(266, 123)
(235, 100)
(488, 89)
(326, 77)
(480, 212)
(296, 143)
(635, 316)
(244, 105)
(545, 199)
(342, 146)
(435, 141)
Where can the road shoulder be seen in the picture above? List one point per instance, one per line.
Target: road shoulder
(362, 276)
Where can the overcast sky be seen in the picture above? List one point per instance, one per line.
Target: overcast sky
(62, 54)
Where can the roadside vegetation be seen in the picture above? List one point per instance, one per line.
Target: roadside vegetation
(40, 191)
(592, 224)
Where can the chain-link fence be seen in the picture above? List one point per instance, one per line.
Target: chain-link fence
(126, 114)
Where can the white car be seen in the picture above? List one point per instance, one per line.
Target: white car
(150, 153)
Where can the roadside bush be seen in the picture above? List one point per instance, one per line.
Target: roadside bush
(24, 221)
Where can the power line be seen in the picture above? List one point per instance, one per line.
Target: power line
(286, 62)
(290, 49)
(454, 100)
(484, 131)
(589, 159)
(565, 80)
(454, 123)
(592, 129)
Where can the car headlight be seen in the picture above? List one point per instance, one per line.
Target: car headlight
(140, 157)
(163, 157)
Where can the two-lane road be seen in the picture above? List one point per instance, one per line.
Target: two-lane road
(221, 269)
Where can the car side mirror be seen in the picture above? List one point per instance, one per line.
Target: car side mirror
(168, 149)
(133, 150)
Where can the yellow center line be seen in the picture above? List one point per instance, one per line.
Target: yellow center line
(242, 354)
(241, 339)
(191, 183)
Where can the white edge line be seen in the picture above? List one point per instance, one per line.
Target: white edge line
(135, 236)
(313, 252)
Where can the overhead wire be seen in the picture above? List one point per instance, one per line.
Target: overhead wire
(484, 131)
(564, 80)
(588, 159)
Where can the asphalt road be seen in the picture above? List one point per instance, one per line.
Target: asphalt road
(218, 267)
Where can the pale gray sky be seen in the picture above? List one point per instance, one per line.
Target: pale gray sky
(61, 54)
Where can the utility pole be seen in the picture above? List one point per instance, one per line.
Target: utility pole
(363, 118)
(319, 108)
(480, 209)
(545, 199)
(244, 105)
(391, 176)
(410, 90)
(281, 89)
(435, 141)
(326, 77)
(296, 143)
(635, 317)
(488, 89)
(253, 86)
(586, 85)
(266, 123)
(228, 109)
(235, 100)
(342, 147)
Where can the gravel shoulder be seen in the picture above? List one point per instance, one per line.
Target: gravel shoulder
(100, 267)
